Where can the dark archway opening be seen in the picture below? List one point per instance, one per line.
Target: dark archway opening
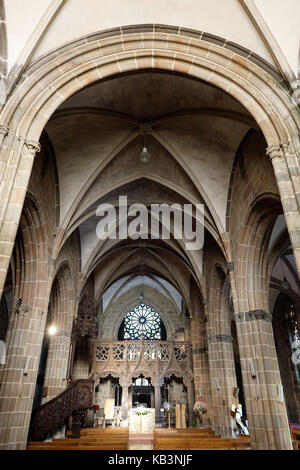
(286, 331)
(142, 392)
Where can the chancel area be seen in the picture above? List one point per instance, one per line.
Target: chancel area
(149, 225)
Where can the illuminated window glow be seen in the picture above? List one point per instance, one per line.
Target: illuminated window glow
(142, 320)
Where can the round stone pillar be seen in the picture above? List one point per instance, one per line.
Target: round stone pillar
(157, 399)
(124, 399)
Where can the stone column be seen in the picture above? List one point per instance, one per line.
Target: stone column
(287, 172)
(124, 399)
(223, 382)
(14, 184)
(191, 401)
(18, 376)
(200, 362)
(157, 404)
(266, 411)
(57, 363)
(152, 402)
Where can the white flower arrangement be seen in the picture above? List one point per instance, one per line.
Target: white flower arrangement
(141, 411)
(200, 407)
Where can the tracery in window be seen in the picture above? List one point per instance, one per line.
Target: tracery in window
(143, 321)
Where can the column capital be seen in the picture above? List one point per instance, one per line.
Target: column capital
(253, 315)
(32, 147)
(21, 309)
(274, 151)
(4, 130)
(286, 146)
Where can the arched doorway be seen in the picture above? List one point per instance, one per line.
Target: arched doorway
(142, 392)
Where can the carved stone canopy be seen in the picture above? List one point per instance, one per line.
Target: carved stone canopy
(86, 324)
(154, 359)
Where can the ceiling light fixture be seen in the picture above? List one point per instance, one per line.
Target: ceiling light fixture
(145, 156)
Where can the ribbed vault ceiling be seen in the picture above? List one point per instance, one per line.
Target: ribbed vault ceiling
(193, 132)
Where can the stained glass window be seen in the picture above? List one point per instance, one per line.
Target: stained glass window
(142, 320)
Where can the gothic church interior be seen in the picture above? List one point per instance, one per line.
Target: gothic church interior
(164, 103)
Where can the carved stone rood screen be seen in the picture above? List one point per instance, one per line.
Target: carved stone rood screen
(155, 359)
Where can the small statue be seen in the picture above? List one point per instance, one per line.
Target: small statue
(237, 426)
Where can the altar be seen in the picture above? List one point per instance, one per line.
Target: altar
(141, 420)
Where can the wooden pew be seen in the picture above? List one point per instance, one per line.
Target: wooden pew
(101, 432)
(79, 446)
(188, 431)
(90, 439)
(194, 443)
(205, 433)
(98, 447)
(221, 444)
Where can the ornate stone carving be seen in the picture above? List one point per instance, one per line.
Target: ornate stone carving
(86, 324)
(24, 310)
(253, 315)
(154, 359)
(21, 309)
(31, 147)
(260, 315)
(16, 308)
(274, 151)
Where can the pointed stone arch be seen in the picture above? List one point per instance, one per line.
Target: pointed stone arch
(52, 79)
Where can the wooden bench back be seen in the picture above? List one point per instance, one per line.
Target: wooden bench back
(189, 442)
